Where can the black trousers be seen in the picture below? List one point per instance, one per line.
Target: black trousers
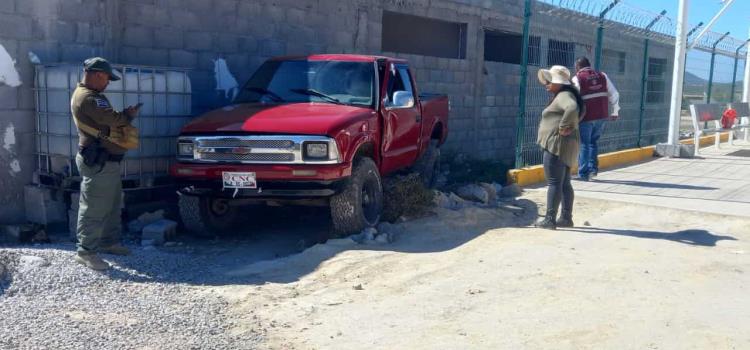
(559, 188)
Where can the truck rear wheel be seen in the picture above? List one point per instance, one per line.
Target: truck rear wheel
(206, 216)
(360, 203)
(428, 166)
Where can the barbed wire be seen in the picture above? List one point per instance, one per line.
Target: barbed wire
(633, 20)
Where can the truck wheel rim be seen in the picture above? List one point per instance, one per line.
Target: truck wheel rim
(219, 207)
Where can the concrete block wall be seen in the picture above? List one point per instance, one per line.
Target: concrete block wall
(55, 31)
(193, 33)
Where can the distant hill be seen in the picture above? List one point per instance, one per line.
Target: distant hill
(692, 79)
(696, 86)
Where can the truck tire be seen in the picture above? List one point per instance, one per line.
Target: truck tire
(205, 216)
(360, 203)
(428, 166)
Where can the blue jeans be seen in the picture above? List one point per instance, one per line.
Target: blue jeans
(588, 158)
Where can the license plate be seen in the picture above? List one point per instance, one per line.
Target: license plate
(239, 180)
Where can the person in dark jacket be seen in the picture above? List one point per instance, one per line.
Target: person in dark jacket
(559, 137)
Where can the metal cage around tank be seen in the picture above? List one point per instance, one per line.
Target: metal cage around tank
(166, 94)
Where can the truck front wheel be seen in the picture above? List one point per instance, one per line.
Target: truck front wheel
(206, 216)
(360, 203)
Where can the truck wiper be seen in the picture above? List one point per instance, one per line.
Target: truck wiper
(313, 92)
(264, 91)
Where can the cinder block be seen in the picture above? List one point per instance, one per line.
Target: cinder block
(156, 57)
(159, 231)
(272, 48)
(138, 36)
(78, 53)
(198, 41)
(168, 39)
(8, 97)
(7, 6)
(83, 33)
(182, 58)
(227, 43)
(15, 26)
(42, 207)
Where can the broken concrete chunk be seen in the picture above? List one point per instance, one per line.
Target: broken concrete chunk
(512, 190)
(144, 220)
(159, 231)
(383, 238)
(491, 192)
(474, 193)
(30, 262)
(369, 233)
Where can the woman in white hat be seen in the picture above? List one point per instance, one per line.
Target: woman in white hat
(559, 137)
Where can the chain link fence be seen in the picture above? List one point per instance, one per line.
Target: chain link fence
(635, 48)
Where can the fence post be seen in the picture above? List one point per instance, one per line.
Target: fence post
(711, 71)
(600, 35)
(520, 127)
(734, 72)
(644, 75)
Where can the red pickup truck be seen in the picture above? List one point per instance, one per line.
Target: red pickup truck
(313, 130)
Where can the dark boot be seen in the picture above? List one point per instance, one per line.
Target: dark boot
(548, 221)
(565, 220)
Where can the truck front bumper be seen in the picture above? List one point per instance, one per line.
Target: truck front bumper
(274, 181)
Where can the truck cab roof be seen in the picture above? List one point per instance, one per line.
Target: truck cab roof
(339, 57)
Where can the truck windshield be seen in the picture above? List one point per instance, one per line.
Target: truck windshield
(339, 82)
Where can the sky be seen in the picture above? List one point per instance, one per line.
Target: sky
(735, 20)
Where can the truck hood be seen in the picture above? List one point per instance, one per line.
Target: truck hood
(297, 118)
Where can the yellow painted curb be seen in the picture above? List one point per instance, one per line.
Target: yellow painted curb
(535, 174)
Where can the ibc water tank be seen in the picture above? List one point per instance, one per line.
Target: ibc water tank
(166, 98)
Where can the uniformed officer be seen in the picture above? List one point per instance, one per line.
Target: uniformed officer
(99, 222)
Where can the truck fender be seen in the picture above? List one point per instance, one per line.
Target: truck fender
(363, 141)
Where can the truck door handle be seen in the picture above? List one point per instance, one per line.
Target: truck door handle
(419, 118)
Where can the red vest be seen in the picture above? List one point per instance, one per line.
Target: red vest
(594, 93)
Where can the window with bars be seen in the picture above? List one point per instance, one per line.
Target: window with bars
(560, 53)
(656, 82)
(423, 36)
(613, 62)
(506, 47)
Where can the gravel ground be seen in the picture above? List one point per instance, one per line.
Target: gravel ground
(149, 300)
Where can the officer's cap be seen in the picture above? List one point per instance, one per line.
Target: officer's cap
(99, 64)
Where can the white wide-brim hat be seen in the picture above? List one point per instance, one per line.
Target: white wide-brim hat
(554, 75)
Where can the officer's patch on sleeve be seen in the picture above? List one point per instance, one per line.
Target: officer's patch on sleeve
(101, 103)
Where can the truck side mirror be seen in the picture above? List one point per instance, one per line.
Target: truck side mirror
(402, 99)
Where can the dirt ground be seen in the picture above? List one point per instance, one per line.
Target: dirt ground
(627, 277)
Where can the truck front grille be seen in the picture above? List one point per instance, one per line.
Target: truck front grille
(233, 142)
(259, 157)
(257, 149)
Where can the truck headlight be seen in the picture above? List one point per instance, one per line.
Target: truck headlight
(185, 149)
(316, 150)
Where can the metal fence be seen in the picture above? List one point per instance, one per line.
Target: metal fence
(635, 48)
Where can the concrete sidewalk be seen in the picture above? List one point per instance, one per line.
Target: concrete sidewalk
(717, 181)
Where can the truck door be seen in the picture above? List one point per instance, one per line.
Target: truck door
(402, 120)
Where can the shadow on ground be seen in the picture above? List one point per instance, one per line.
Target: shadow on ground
(691, 237)
(265, 247)
(655, 185)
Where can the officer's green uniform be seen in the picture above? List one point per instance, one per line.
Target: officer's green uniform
(99, 223)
